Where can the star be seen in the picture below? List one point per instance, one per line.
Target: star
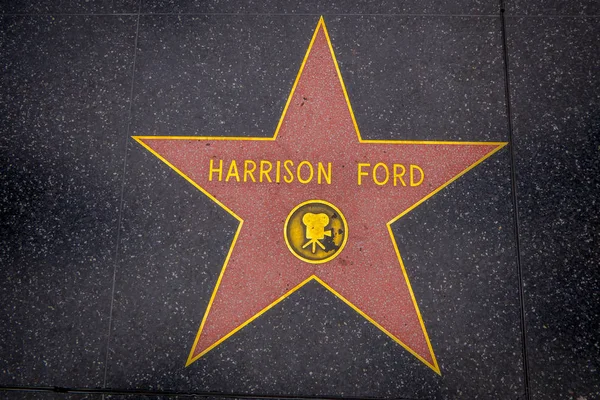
(317, 155)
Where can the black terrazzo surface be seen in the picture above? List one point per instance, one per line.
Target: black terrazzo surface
(108, 257)
(69, 7)
(316, 7)
(64, 101)
(553, 7)
(555, 90)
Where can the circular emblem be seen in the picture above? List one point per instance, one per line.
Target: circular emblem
(315, 231)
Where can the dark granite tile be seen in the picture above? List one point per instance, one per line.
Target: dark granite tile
(440, 77)
(68, 7)
(316, 7)
(458, 246)
(64, 93)
(162, 397)
(186, 396)
(437, 78)
(150, 397)
(179, 396)
(554, 64)
(553, 7)
(174, 242)
(30, 395)
(225, 75)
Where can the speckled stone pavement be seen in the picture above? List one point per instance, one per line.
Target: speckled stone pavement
(109, 258)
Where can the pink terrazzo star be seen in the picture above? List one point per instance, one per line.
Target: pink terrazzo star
(317, 125)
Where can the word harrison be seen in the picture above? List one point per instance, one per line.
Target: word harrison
(305, 172)
(267, 172)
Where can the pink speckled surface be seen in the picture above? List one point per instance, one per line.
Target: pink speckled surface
(318, 127)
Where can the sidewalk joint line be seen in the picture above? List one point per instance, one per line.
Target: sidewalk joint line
(168, 393)
(513, 178)
(121, 200)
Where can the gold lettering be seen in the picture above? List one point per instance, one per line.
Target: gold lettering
(326, 175)
(264, 171)
(299, 170)
(361, 173)
(412, 175)
(211, 169)
(387, 174)
(399, 175)
(249, 172)
(232, 172)
(289, 179)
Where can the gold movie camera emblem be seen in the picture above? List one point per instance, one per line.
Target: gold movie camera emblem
(315, 231)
